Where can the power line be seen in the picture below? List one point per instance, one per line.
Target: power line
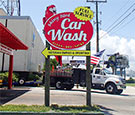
(118, 12)
(121, 16)
(125, 24)
(118, 23)
(110, 29)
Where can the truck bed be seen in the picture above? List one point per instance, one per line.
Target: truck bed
(57, 73)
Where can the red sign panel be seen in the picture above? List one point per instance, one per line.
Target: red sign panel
(65, 31)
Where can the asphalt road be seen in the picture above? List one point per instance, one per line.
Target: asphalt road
(123, 104)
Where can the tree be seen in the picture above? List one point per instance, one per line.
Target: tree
(53, 62)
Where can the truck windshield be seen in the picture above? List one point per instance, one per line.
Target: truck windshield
(107, 71)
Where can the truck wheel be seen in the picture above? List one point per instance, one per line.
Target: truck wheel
(111, 88)
(59, 85)
(21, 81)
(69, 87)
(119, 91)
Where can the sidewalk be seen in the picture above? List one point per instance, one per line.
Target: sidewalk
(35, 95)
(130, 90)
(9, 95)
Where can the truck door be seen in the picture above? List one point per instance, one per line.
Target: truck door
(99, 77)
(103, 77)
(96, 78)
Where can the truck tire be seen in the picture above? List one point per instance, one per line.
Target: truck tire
(111, 88)
(21, 81)
(69, 87)
(119, 91)
(59, 85)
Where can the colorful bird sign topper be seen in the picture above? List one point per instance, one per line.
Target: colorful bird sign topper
(83, 13)
(49, 12)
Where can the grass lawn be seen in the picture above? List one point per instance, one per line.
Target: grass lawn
(130, 84)
(53, 108)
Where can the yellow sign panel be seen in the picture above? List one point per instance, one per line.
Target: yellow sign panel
(83, 13)
(47, 52)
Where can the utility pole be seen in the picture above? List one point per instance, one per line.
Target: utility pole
(47, 78)
(8, 7)
(97, 23)
(88, 63)
(88, 77)
(3, 56)
(19, 8)
(97, 28)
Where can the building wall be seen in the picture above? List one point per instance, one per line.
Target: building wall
(25, 30)
(2, 12)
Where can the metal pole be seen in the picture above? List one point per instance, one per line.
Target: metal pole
(97, 28)
(10, 72)
(47, 78)
(3, 60)
(8, 7)
(3, 56)
(124, 73)
(19, 11)
(88, 78)
(115, 67)
(97, 24)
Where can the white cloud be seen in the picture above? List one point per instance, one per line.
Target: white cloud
(114, 44)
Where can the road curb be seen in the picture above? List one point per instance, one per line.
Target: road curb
(48, 113)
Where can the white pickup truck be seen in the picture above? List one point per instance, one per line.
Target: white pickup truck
(104, 79)
(101, 79)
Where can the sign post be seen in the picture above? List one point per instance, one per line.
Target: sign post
(88, 77)
(47, 78)
(68, 31)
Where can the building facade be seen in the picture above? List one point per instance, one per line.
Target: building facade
(31, 60)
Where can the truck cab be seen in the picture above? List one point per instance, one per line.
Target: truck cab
(104, 79)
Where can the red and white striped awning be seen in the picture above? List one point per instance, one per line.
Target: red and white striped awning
(6, 50)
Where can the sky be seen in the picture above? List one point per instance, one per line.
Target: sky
(116, 22)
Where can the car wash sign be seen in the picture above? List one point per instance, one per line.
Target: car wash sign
(66, 31)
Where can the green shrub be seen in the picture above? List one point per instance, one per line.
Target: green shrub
(4, 77)
(130, 80)
(33, 77)
(53, 108)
